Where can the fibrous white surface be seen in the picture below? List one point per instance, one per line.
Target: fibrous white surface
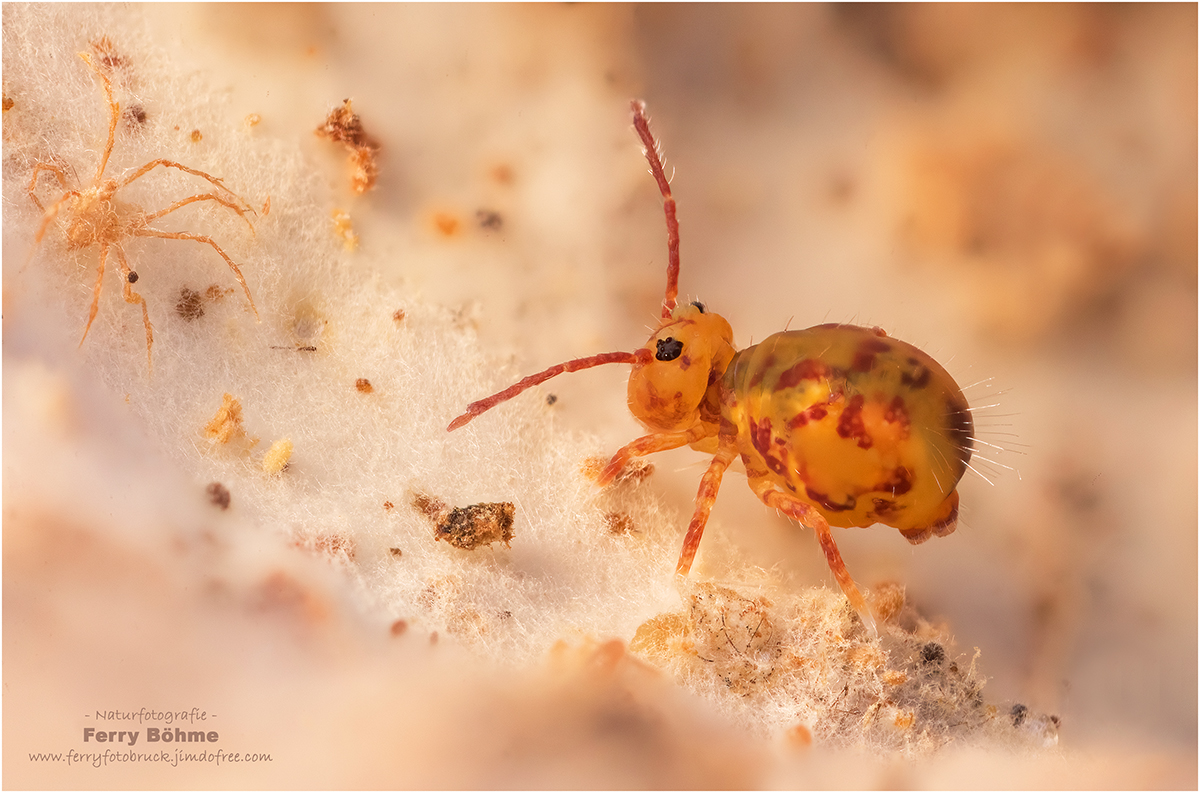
(318, 615)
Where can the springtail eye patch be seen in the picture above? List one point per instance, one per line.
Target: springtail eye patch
(699, 306)
(668, 349)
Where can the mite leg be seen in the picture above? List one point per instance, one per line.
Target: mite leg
(179, 235)
(797, 510)
(214, 181)
(51, 214)
(96, 293)
(133, 297)
(203, 197)
(648, 444)
(114, 112)
(48, 215)
(705, 497)
(37, 170)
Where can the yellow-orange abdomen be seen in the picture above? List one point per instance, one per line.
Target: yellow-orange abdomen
(866, 428)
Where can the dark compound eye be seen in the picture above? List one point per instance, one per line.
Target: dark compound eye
(699, 306)
(133, 277)
(668, 349)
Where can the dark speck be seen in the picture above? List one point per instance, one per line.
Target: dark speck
(932, 653)
(489, 219)
(218, 494)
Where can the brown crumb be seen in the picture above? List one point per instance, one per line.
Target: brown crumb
(329, 545)
(489, 219)
(218, 494)
(399, 627)
(618, 523)
(398, 316)
(432, 508)
(196, 136)
(252, 120)
(107, 54)
(190, 305)
(135, 116)
(343, 126)
(8, 104)
(363, 385)
(396, 552)
(468, 527)
(215, 293)
(389, 506)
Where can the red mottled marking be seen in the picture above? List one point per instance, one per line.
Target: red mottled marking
(760, 436)
(883, 508)
(814, 413)
(808, 369)
(864, 356)
(899, 483)
(918, 378)
(897, 413)
(827, 503)
(850, 425)
(684, 362)
(778, 464)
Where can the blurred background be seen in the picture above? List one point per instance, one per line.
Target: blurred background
(1011, 188)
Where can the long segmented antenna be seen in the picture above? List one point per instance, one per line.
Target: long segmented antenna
(642, 125)
(487, 403)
